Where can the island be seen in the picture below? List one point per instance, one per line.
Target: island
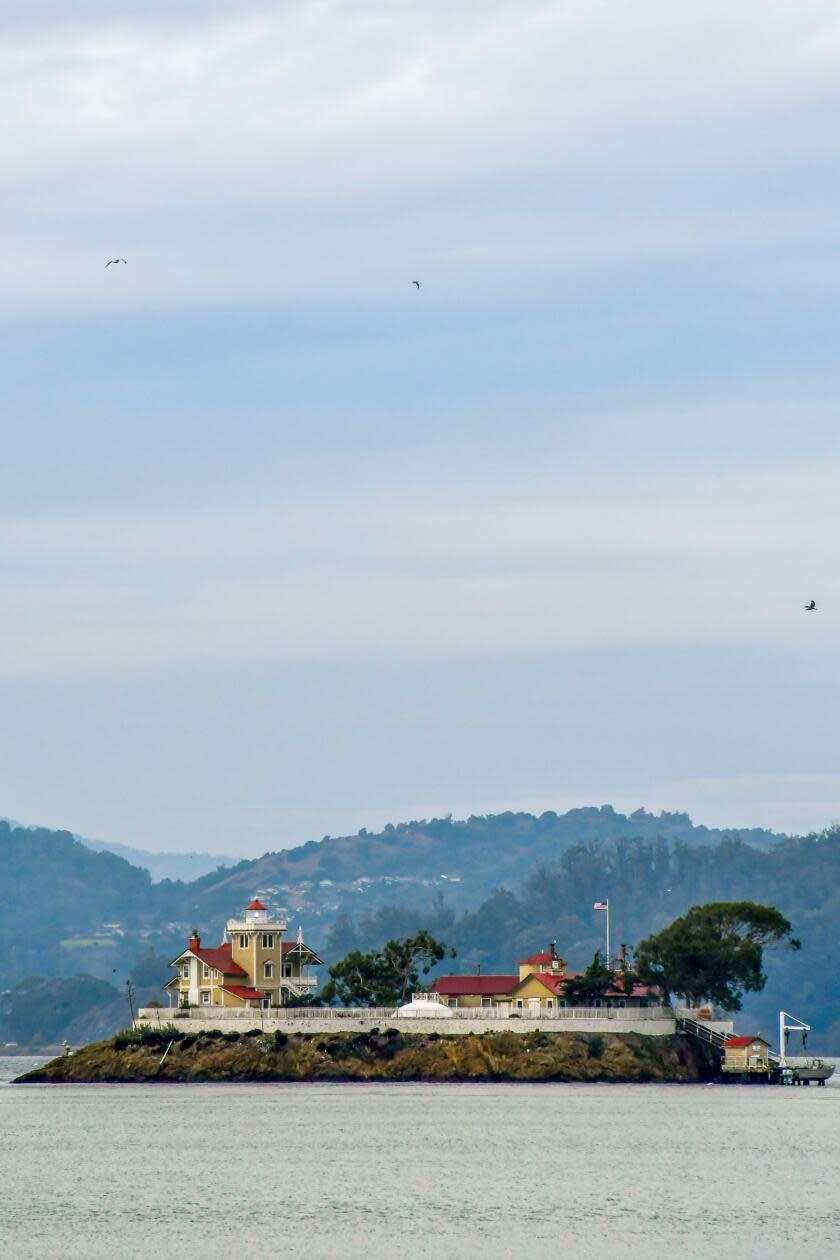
(389, 1054)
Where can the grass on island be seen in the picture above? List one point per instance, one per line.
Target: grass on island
(169, 1054)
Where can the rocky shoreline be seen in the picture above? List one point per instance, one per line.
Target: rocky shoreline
(168, 1055)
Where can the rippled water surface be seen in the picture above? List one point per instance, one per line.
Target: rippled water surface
(584, 1171)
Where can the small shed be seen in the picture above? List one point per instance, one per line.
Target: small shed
(746, 1054)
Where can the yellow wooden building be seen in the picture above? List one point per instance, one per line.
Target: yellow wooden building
(253, 967)
(540, 986)
(746, 1055)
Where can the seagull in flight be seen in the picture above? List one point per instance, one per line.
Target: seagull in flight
(810, 607)
(111, 262)
(417, 282)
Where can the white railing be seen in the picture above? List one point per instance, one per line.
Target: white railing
(562, 1013)
(634, 1013)
(338, 1012)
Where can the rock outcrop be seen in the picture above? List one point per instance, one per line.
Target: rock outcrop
(387, 1055)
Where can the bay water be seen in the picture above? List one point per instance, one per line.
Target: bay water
(601, 1172)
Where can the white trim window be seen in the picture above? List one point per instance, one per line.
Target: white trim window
(243, 940)
(205, 971)
(486, 1003)
(205, 998)
(185, 971)
(268, 940)
(268, 971)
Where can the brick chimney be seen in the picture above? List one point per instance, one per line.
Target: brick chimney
(195, 940)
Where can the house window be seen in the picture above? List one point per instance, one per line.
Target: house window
(205, 971)
(268, 940)
(205, 999)
(597, 1002)
(549, 1004)
(185, 971)
(451, 1001)
(486, 1003)
(621, 1002)
(520, 1005)
(268, 970)
(243, 941)
(562, 1002)
(287, 970)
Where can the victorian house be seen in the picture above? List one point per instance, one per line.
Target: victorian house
(253, 967)
(539, 986)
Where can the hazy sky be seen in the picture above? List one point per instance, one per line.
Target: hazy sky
(289, 547)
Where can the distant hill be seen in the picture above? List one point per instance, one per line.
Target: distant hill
(462, 860)
(182, 866)
(648, 883)
(495, 886)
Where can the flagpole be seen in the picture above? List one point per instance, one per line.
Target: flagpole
(608, 932)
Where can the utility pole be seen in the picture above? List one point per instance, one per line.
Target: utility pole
(129, 993)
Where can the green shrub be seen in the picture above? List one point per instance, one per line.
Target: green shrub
(127, 1037)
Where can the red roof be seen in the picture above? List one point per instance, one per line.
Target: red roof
(744, 1041)
(241, 991)
(256, 905)
(541, 960)
(221, 959)
(458, 986)
(556, 982)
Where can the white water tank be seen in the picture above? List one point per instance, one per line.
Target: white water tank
(425, 1006)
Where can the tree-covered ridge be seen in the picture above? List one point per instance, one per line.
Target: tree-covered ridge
(466, 859)
(524, 879)
(649, 883)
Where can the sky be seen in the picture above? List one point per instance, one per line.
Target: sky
(290, 547)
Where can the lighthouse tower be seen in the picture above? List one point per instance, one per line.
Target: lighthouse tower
(256, 945)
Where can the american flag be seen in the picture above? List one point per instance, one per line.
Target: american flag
(601, 905)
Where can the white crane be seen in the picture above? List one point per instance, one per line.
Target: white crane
(784, 1029)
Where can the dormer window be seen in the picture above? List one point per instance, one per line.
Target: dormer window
(268, 940)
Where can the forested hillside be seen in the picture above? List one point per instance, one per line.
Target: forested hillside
(496, 887)
(464, 860)
(649, 883)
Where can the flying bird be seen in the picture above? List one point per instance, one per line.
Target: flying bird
(417, 282)
(111, 262)
(811, 607)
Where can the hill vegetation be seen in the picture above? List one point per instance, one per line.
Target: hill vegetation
(494, 887)
(390, 1055)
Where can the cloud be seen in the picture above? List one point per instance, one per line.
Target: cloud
(455, 569)
(286, 150)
